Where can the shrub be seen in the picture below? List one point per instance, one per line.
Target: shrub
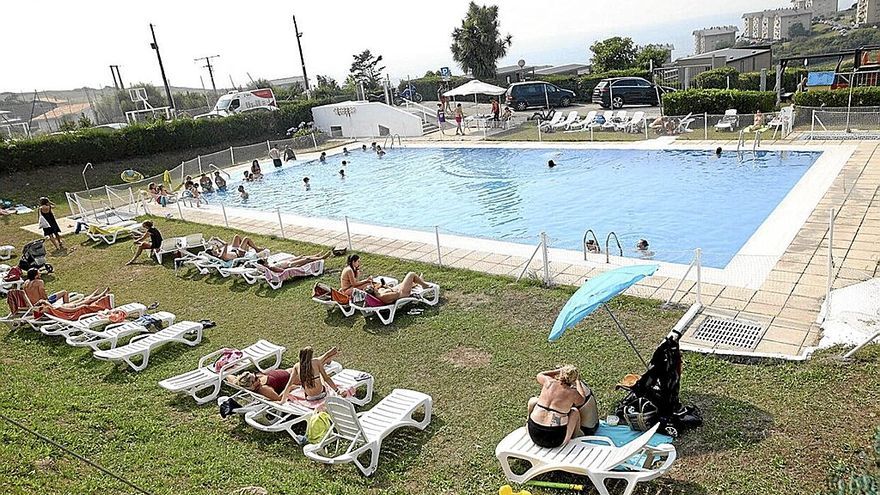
(716, 101)
(98, 145)
(867, 96)
(718, 78)
(790, 78)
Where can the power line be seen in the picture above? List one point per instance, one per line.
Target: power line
(74, 454)
(210, 69)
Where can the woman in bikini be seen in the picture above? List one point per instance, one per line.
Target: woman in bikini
(349, 278)
(294, 262)
(555, 415)
(276, 384)
(404, 289)
(236, 249)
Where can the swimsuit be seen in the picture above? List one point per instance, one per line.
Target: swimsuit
(546, 436)
(277, 380)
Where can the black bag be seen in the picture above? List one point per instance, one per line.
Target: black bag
(228, 407)
(640, 414)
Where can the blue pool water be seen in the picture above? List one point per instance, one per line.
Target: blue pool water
(676, 199)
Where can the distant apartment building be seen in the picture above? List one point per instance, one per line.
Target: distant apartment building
(774, 25)
(713, 38)
(868, 12)
(817, 7)
(751, 59)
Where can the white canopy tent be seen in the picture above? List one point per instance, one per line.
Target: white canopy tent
(475, 87)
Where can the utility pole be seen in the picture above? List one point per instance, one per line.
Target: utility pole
(115, 83)
(155, 46)
(301, 59)
(210, 69)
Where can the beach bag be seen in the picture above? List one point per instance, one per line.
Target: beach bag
(640, 414)
(117, 316)
(228, 406)
(227, 356)
(317, 426)
(321, 291)
(13, 274)
(44, 224)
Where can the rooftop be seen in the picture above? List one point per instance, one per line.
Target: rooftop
(786, 12)
(729, 54)
(716, 30)
(556, 69)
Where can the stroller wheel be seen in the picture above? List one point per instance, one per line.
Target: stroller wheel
(48, 268)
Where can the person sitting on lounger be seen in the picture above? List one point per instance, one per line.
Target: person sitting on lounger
(276, 384)
(757, 122)
(555, 415)
(404, 289)
(349, 280)
(294, 262)
(151, 240)
(36, 290)
(239, 247)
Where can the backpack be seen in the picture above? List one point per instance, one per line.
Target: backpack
(227, 356)
(317, 426)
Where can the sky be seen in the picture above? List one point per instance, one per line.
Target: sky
(70, 44)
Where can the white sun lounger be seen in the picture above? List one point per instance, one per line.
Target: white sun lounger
(728, 122)
(269, 416)
(25, 314)
(633, 462)
(185, 332)
(110, 336)
(175, 244)
(570, 119)
(49, 324)
(429, 296)
(64, 327)
(356, 434)
(635, 124)
(582, 124)
(113, 232)
(548, 124)
(606, 114)
(616, 119)
(259, 273)
(206, 378)
(6, 253)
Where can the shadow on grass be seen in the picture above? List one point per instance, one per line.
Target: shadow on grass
(728, 423)
(403, 319)
(121, 373)
(336, 319)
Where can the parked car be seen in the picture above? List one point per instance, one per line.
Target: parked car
(620, 91)
(523, 95)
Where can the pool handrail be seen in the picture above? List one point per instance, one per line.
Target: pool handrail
(595, 239)
(619, 247)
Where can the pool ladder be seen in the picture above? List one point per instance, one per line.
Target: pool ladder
(741, 142)
(399, 141)
(607, 244)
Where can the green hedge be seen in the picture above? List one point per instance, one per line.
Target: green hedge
(749, 81)
(718, 78)
(98, 145)
(716, 101)
(861, 97)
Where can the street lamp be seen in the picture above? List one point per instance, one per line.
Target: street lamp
(301, 59)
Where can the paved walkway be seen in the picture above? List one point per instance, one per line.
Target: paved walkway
(786, 304)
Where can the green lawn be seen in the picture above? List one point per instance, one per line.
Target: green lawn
(771, 428)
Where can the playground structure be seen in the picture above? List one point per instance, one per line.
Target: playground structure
(148, 112)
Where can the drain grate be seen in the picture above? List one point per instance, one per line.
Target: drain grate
(740, 334)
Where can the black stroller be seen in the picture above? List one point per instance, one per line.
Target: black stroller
(33, 255)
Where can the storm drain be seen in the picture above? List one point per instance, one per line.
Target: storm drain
(722, 331)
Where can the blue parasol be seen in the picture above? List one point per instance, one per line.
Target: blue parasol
(596, 292)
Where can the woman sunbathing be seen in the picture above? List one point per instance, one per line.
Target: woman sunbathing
(554, 416)
(277, 384)
(294, 262)
(236, 249)
(89, 300)
(404, 289)
(349, 278)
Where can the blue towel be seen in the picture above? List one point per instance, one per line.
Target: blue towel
(623, 434)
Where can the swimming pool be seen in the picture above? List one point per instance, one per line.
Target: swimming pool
(676, 199)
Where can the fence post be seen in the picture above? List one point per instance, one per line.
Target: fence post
(280, 223)
(698, 253)
(812, 124)
(645, 127)
(225, 220)
(437, 236)
(179, 209)
(706, 125)
(546, 261)
(315, 141)
(348, 232)
(830, 279)
(591, 133)
(231, 156)
(268, 145)
(539, 131)
(200, 164)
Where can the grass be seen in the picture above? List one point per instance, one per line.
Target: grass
(771, 428)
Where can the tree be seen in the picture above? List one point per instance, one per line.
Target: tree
(797, 30)
(84, 122)
(327, 87)
(613, 54)
(652, 56)
(365, 69)
(260, 83)
(478, 44)
(190, 99)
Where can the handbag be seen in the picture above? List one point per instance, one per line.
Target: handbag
(43, 223)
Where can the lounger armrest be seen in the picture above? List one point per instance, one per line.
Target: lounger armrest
(139, 337)
(209, 356)
(237, 362)
(594, 439)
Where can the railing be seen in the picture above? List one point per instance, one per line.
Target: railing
(542, 246)
(399, 141)
(696, 262)
(607, 251)
(595, 242)
(428, 114)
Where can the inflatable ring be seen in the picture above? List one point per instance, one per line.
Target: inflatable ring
(131, 176)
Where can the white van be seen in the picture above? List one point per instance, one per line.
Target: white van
(236, 102)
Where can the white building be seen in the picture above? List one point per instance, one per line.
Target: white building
(354, 119)
(774, 25)
(868, 12)
(818, 7)
(713, 38)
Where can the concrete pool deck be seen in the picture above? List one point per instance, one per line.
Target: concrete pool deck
(786, 301)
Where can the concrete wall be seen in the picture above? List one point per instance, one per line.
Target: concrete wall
(362, 119)
(754, 64)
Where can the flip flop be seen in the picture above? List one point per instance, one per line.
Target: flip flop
(208, 323)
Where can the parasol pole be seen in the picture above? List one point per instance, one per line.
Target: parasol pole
(619, 327)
